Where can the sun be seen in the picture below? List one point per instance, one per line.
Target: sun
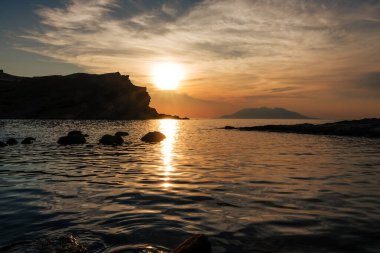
(167, 76)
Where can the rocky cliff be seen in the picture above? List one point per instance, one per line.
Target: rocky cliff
(76, 96)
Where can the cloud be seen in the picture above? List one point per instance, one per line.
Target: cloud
(364, 86)
(230, 49)
(370, 81)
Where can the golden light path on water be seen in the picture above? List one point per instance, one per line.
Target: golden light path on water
(169, 128)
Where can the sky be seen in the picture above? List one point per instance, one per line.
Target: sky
(319, 58)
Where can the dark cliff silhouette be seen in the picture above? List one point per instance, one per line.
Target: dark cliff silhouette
(264, 113)
(75, 96)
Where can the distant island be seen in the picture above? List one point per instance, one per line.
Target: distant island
(77, 96)
(264, 113)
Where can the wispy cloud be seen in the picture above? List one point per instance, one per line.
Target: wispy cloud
(256, 46)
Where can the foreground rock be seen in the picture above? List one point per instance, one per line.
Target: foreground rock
(194, 244)
(63, 244)
(357, 128)
(72, 138)
(69, 244)
(28, 140)
(111, 140)
(76, 96)
(153, 137)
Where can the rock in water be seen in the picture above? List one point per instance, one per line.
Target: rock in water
(12, 141)
(28, 140)
(72, 139)
(111, 140)
(153, 137)
(2, 144)
(194, 244)
(121, 133)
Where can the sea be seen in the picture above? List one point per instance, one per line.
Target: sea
(247, 191)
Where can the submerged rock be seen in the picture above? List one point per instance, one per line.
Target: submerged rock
(2, 144)
(72, 139)
(153, 137)
(121, 133)
(12, 141)
(111, 140)
(356, 128)
(194, 244)
(28, 140)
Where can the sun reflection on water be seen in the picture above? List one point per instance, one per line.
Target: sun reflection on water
(169, 128)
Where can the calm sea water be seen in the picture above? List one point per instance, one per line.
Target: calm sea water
(248, 191)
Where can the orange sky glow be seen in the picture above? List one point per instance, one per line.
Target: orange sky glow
(319, 58)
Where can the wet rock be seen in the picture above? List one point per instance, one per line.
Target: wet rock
(28, 140)
(12, 141)
(72, 139)
(111, 140)
(194, 244)
(121, 133)
(2, 144)
(153, 137)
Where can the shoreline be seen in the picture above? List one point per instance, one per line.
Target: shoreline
(369, 128)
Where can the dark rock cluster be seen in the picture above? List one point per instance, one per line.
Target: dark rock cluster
(76, 137)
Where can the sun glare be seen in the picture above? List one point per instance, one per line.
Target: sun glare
(167, 76)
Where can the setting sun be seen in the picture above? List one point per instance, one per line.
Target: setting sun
(167, 76)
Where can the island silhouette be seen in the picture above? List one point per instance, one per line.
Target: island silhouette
(264, 113)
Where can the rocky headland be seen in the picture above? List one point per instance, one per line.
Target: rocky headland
(358, 128)
(110, 96)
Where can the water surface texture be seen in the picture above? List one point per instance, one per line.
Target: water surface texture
(248, 191)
